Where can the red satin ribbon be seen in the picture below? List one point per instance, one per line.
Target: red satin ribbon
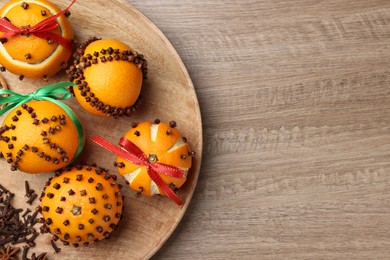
(41, 29)
(130, 152)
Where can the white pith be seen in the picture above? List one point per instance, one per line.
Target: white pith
(179, 143)
(132, 175)
(153, 132)
(153, 188)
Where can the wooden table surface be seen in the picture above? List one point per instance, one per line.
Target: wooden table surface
(295, 101)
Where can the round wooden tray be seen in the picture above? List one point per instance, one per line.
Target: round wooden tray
(168, 94)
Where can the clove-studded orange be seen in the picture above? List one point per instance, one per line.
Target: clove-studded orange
(38, 136)
(28, 55)
(81, 204)
(109, 75)
(162, 143)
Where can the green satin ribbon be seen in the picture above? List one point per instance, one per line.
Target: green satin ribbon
(52, 93)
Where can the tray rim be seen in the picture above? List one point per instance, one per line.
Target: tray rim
(186, 75)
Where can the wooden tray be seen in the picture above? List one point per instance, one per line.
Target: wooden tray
(168, 94)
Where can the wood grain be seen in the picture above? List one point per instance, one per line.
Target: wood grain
(295, 101)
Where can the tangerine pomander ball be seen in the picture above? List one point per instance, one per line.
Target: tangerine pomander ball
(163, 142)
(28, 55)
(81, 205)
(38, 137)
(109, 75)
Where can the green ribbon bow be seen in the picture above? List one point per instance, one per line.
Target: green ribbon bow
(52, 93)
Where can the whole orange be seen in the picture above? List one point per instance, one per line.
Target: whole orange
(81, 205)
(28, 55)
(166, 145)
(38, 137)
(109, 76)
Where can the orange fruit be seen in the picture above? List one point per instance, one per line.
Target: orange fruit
(38, 137)
(81, 205)
(31, 56)
(164, 143)
(109, 76)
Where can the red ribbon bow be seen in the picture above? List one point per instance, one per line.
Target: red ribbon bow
(131, 152)
(41, 29)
